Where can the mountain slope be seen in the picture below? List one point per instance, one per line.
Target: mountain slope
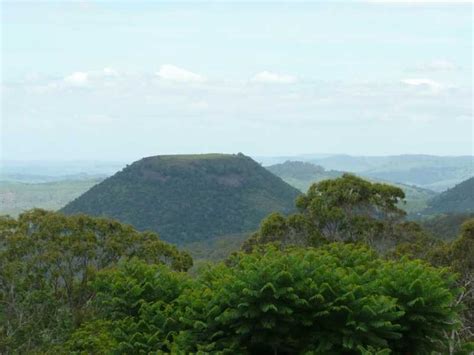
(188, 198)
(446, 226)
(459, 199)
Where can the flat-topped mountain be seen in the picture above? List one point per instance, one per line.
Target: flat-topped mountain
(189, 198)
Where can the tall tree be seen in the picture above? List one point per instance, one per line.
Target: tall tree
(46, 262)
(344, 209)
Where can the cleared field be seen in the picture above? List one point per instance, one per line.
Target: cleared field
(16, 197)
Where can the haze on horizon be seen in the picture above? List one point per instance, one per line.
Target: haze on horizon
(95, 80)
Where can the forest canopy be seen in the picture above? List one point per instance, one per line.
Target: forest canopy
(346, 274)
(47, 261)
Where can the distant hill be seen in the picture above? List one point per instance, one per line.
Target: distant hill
(16, 197)
(188, 198)
(459, 199)
(436, 173)
(303, 174)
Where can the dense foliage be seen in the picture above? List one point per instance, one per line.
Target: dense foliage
(307, 283)
(344, 209)
(458, 256)
(350, 209)
(46, 263)
(446, 226)
(189, 198)
(333, 300)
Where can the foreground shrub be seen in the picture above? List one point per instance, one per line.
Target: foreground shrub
(133, 305)
(338, 299)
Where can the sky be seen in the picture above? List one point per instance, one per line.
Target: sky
(119, 80)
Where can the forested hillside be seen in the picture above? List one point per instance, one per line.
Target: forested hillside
(459, 199)
(446, 226)
(187, 198)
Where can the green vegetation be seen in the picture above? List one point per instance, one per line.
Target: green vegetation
(459, 199)
(446, 226)
(346, 209)
(189, 198)
(349, 209)
(342, 275)
(332, 300)
(47, 261)
(457, 256)
(17, 197)
(215, 249)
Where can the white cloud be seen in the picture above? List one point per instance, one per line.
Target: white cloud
(173, 73)
(424, 83)
(81, 79)
(273, 78)
(77, 79)
(438, 65)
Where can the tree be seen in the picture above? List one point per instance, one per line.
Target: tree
(343, 209)
(458, 256)
(46, 262)
(133, 310)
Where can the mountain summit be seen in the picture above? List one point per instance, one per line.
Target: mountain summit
(188, 198)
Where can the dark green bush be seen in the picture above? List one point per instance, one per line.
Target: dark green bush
(338, 299)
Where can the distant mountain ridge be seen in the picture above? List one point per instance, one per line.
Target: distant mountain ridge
(437, 173)
(187, 198)
(303, 174)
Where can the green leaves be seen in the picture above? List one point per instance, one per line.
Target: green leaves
(82, 285)
(338, 210)
(47, 264)
(329, 300)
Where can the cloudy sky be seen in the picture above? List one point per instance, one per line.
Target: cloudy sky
(120, 80)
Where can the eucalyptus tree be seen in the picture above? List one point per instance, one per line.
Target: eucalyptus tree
(46, 263)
